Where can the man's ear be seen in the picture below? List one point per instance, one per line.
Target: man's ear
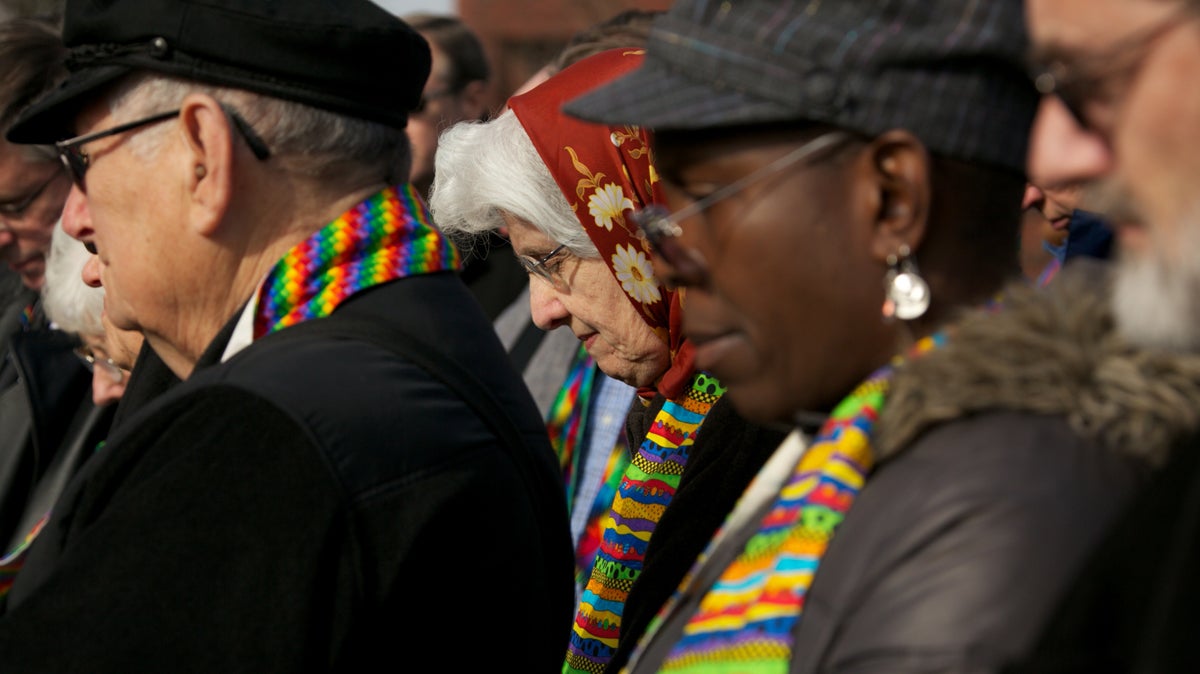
(207, 167)
(475, 100)
(900, 170)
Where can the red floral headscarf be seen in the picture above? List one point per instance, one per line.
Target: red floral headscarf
(605, 173)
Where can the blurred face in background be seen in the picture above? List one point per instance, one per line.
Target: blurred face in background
(110, 356)
(444, 103)
(32, 192)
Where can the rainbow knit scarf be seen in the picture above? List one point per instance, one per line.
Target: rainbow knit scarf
(646, 488)
(387, 236)
(745, 622)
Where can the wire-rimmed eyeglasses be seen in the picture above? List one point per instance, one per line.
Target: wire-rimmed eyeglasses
(661, 227)
(1091, 86)
(91, 362)
(77, 161)
(539, 268)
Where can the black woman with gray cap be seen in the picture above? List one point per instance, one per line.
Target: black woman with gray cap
(844, 182)
(350, 475)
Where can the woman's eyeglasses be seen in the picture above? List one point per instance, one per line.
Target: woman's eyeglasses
(91, 362)
(661, 227)
(540, 270)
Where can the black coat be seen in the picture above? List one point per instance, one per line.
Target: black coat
(318, 504)
(1134, 607)
(48, 426)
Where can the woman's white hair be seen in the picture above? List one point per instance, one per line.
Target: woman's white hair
(485, 169)
(72, 305)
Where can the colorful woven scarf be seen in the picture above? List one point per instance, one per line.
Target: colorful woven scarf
(12, 562)
(745, 622)
(589, 541)
(387, 236)
(566, 421)
(29, 317)
(645, 489)
(567, 427)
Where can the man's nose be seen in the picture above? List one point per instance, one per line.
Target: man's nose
(76, 220)
(1063, 152)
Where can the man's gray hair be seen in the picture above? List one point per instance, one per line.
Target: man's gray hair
(303, 139)
(485, 169)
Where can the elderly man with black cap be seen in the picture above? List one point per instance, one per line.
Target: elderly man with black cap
(312, 496)
(959, 448)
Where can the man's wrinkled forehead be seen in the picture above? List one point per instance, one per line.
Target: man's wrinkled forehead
(1065, 30)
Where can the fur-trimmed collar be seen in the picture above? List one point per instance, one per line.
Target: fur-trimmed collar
(1052, 351)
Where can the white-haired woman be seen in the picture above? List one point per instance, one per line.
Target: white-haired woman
(75, 307)
(563, 191)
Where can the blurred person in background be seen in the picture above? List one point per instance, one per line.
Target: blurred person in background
(33, 184)
(48, 420)
(1055, 230)
(457, 91)
(76, 309)
(1043, 236)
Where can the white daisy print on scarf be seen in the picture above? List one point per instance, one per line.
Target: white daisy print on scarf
(633, 270)
(609, 203)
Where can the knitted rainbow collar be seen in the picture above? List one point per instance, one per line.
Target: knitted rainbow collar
(387, 236)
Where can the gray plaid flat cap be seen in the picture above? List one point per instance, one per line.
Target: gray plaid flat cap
(950, 71)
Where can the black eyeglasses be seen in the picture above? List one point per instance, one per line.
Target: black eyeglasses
(91, 362)
(661, 227)
(77, 161)
(1092, 85)
(539, 269)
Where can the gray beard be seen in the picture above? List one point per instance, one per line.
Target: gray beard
(1156, 294)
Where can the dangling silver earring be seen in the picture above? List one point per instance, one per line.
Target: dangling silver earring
(906, 293)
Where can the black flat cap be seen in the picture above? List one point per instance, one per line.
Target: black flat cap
(347, 56)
